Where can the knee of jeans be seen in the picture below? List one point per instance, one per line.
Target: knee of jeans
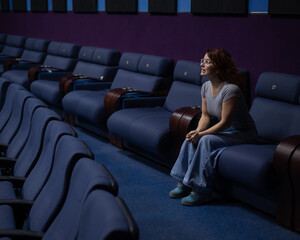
(209, 139)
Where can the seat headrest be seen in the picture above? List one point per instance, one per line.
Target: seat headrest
(69, 50)
(188, 71)
(39, 45)
(148, 64)
(53, 48)
(130, 61)
(279, 86)
(155, 65)
(86, 53)
(105, 56)
(17, 41)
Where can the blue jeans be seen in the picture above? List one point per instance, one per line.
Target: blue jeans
(196, 163)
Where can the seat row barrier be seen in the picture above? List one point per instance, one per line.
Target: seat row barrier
(149, 106)
(50, 185)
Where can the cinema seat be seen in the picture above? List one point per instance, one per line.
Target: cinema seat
(14, 121)
(50, 200)
(105, 216)
(137, 72)
(60, 59)
(27, 188)
(94, 64)
(87, 177)
(266, 175)
(8, 104)
(3, 89)
(34, 53)
(146, 130)
(13, 48)
(14, 146)
(22, 165)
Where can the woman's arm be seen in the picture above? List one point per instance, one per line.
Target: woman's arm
(203, 123)
(228, 108)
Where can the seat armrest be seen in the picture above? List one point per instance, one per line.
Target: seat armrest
(3, 147)
(20, 207)
(7, 65)
(143, 102)
(180, 121)
(36, 70)
(33, 72)
(286, 163)
(7, 162)
(113, 97)
(17, 234)
(66, 84)
(15, 180)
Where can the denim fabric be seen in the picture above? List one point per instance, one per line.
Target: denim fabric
(196, 163)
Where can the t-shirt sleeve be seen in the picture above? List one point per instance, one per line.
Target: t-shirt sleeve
(204, 89)
(230, 91)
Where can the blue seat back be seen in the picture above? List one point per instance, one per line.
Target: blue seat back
(34, 143)
(35, 50)
(51, 198)
(17, 143)
(105, 216)
(276, 108)
(40, 173)
(99, 63)
(186, 88)
(143, 72)
(14, 46)
(86, 176)
(4, 83)
(8, 103)
(62, 55)
(14, 121)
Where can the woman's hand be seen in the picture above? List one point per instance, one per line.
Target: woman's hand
(193, 136)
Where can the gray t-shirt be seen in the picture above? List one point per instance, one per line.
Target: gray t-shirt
(242, 119)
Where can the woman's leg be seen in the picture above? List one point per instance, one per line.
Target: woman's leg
(201, 170)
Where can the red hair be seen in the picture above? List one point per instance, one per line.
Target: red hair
(224, 66)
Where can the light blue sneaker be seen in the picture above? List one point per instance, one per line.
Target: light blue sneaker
(196, 199)
(180, 191)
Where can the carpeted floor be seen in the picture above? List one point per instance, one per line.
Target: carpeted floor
(145, 187)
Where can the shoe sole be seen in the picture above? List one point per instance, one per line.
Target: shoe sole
(197, 203)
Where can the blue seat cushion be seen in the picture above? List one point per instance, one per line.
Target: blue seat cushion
(7, 220)
(143, 127)
(88, 105)
(47, 90)
(250, 165)
(183, 94)
(7, 190)
(17, 76)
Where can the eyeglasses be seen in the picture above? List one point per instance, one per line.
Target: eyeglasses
(205, 62)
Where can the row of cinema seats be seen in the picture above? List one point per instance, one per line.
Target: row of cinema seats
(50, 186)
(142, 104)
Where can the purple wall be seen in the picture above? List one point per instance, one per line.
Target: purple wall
(258, 43)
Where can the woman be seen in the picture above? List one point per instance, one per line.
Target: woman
(221, 98)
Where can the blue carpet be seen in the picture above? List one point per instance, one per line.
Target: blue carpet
(145, 187)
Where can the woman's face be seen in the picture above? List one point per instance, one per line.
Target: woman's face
(207, 67)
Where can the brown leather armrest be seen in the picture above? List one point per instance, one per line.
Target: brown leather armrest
(32, 73)
(111, 98)
(8, 63)
(180, 121)
(295, 178)
(284, 160)
(67, 81)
